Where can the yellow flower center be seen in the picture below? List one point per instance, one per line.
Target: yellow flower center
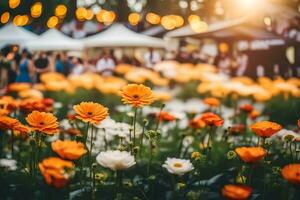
(178, 165)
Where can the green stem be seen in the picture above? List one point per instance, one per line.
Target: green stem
(119, 182)
(150, 157)
(12, 143)
(180, 145)
(142, 137)
(158, 118)
(134, 124)
(91, 149)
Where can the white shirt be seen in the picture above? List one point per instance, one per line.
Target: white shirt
(242, 63)
(104, 64)
(150, 60)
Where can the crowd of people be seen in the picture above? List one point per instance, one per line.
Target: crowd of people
(23, 66)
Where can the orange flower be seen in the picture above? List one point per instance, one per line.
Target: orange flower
(211, 101)
(21, 129)
(291, 173)
(72, 131)
(247, 108)
(254, 114)
(237, 129)
(56, 171)
(236, 192)
(41, 105)
(137, 95)
(11, 103)
(4, 108)
(212, 119)
(197, 123)
(70, 150)
(251, 154)
(91, 112)
(165, 116)
(8, 123)
(265, 128)
(43, 122)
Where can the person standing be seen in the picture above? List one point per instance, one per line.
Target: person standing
(242, 63)
(151, 58)
(105, 65)
(25, 69)
(42, 65)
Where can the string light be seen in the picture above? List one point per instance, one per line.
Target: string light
(268, 21)
(170, 22)
(106, 17)
(61, 11)
(20, 20)
(36, 10)
(81, 13)
(13, 3)
(89, 14)
(153, 18)
(134, 18)
(192, 18)
(52, 22)
(5, 17)
(198, 26)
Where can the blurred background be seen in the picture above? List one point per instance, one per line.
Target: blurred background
(251, 38)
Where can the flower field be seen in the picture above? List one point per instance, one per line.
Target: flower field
(180, 132)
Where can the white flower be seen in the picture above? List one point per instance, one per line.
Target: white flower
(178, 166)
(8, 164)
(116, 160)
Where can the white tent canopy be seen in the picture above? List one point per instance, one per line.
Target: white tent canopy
(119, 36)
(11, 34)
(54, 40)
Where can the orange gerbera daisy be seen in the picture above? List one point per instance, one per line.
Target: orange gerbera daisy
(91, 112)
(197, 123)
(43, 122)
(137, 95)
(265, 128)
(254, 114)
(56, 171)
(291, 173)
(251, 154)
(21, 129)
(211, 101)
(70, 150)
(247, 107)
(236, 192)
(212, 119)
(8, 123)
(4, 108)
(165, 116)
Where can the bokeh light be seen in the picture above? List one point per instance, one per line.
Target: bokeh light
(81, 13)
(36, 10)
(20, 20)
(198, 26)
(170, 22)
(106, 17)
(89, 14)
(14, 3)
(153, 18)
(134, 18)
(5, 17)
(52, 22)
(61, 11)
